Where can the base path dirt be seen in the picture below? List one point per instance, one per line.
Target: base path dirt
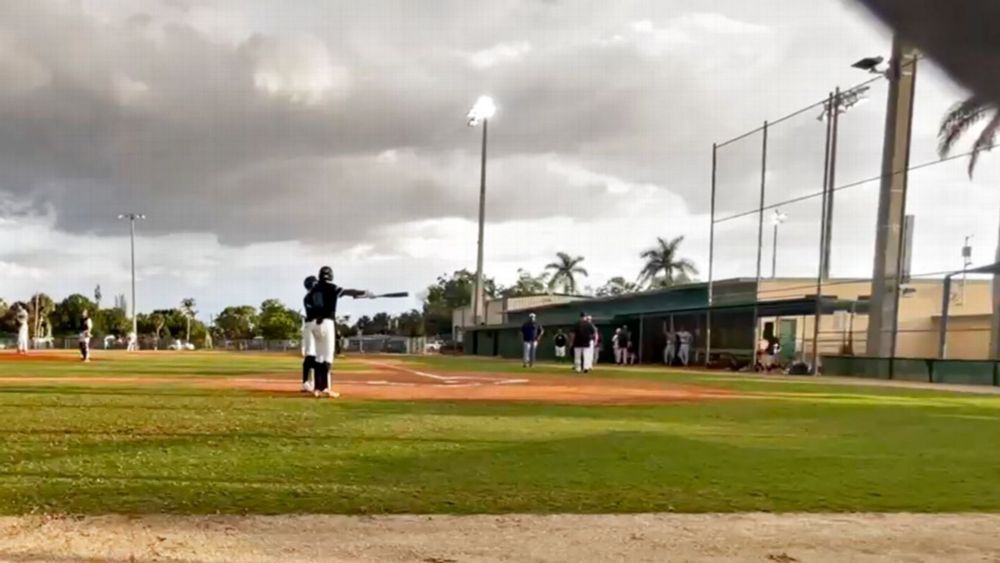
(388, 380)
(439, 539)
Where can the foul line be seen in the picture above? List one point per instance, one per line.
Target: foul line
(449, 381)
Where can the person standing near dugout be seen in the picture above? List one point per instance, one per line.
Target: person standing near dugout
(323, 300)
(684, 340)
(623, 353)
(584, 334)
(560, 342)
(531, 333)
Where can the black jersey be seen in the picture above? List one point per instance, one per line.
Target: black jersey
(309, 309)
(624, 338)
(583, 333)
(323, 298)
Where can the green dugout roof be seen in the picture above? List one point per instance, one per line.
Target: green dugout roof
(567, 314)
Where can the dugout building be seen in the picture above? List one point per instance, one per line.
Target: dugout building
(743, 308)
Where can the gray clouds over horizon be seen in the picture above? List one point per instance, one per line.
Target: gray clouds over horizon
(336, 127)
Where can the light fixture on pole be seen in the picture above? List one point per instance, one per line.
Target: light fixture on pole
(777, 219)
(481, 112)
(132, 217)
(844, 101)
(871, 64)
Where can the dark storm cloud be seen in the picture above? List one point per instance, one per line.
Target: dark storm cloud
(356, 122)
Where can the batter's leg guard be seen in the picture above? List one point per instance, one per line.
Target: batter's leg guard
(322, 376)
(83, 350)
(308, 365)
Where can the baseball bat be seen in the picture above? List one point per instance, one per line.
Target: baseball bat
(396, 294)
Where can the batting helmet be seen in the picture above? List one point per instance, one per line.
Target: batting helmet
(310, 282)
(326, 274)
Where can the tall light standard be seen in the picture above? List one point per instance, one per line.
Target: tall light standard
(481, 112)
(132, 217)
(777, 219)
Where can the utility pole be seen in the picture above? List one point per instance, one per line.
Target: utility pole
(883, 313)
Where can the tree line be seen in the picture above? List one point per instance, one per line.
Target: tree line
(273, 320)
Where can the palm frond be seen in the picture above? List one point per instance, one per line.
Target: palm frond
(582, 271)
(985, 141)
(686, 266)
(957, 121)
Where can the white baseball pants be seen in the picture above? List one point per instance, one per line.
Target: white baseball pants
(22, 338)
(683, 353)
(583, 358)
(324, 336)
(308, 340)
(530, 350)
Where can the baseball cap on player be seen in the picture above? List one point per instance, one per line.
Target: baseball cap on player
(310, 282)
(326, 274)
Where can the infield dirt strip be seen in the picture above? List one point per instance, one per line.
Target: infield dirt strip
(394, 380)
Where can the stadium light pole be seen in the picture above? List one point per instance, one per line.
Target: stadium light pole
(777, 219)
(481, 112)
(132, 217)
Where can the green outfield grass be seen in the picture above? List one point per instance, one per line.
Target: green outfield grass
(788, 447)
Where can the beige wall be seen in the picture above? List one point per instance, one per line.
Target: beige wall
(919, 312)
(968, 336)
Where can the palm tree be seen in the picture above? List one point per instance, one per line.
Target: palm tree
(564, 271)
(187, 307)
(663, 267)
(963, 116)
(956, 122)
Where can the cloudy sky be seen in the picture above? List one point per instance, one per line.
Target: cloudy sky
(264, 139)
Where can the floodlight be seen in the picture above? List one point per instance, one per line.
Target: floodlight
(483, 109)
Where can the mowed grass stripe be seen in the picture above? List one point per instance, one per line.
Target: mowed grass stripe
(84, 449)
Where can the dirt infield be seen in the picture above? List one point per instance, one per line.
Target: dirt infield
(388, 380)
(394, 380)
(10, 356)
(782, 538)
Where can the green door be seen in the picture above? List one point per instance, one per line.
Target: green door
(786, 335)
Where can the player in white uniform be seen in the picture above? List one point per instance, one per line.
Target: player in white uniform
(22, 330)
(669, 349)
(323, 299)
(684, 339)
(133, 344)
(86, 325)
(308, 342)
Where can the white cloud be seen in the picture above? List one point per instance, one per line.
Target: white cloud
(20, 73)
(128, 90)
(717, 23)
(687, 30)
(499, 54)
(299, 68)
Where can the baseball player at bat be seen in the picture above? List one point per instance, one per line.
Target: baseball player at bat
(323, 301)
(308, 342)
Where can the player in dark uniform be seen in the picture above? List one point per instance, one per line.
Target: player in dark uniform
(323, 302)
(531, 333)
(584, 334)
(308, 342)
(560, 341)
